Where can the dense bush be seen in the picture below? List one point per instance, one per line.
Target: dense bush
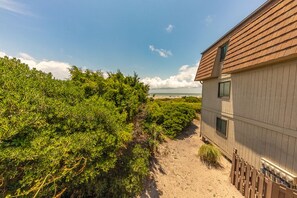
(127, 93)
(209, 154)
(155, 135)
(70, 138)
(74, 138)
(172, 116)
(191, 99)
(193, 102)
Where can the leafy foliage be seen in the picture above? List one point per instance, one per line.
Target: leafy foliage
(193, 102)
(172, 115)
(75, 138)
(209, 155)
(127, 93)
(69, 137)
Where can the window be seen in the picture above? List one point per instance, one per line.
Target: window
(223, 52)
(224, 89)
(221, 126)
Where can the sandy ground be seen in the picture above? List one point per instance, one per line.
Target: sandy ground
(178, 172)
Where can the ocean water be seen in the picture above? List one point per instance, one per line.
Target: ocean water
(173, 95)
(176, 92)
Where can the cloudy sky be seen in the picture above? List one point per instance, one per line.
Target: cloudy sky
(160, 40)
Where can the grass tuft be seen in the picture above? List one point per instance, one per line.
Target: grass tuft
(209, 155)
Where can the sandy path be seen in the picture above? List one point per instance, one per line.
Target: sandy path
(178, 172)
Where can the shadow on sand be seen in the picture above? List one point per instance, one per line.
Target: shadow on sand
(151, 190)
(188, 131)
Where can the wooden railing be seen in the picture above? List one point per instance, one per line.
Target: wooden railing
(253, 184)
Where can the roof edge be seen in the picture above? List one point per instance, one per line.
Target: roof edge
(240, 23)
(291, 57)
(203, 78)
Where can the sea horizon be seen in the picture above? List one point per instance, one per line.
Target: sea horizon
(174, 94)
(177, 92)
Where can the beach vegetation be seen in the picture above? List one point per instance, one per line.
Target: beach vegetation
(72, 137)
(77, 137)
(209, 155)
(173, 116)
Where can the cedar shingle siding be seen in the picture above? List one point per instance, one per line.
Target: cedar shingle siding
(206, 64)
(267, 36)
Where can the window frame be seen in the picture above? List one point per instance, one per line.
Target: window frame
(223, 52)
(219, 129)
(222, 85)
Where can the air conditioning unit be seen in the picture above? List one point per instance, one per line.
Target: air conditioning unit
(278, 174)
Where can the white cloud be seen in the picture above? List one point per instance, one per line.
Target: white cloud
(105, 74)
(13, 6)
(209, 19)
(184, 79)
(27, 59)
(169, 28)
(59, 70)
(162, 52)
(26, 56)
(2, 54)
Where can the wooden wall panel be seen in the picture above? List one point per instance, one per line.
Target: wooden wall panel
(267, 94)
(284, 95)
(263, 143)
(295, 158)
(284, 150)
(254, 142)
(291, 154)
(278, 96)
(290, 95)
(273, 94)
(278, 148)
(262, 114)
(293, 122)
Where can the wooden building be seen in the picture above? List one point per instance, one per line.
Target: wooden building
(249, 79)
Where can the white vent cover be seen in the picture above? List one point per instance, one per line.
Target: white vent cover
(278, 171)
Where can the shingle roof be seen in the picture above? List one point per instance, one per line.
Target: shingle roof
(270, 36)
(206, 64)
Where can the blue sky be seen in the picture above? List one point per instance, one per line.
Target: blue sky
(161, 40)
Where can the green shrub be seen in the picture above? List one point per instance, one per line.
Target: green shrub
(191, 99)
(72, 138)
(193, 102)
(209, 155)
(155, 135)
(173, 117)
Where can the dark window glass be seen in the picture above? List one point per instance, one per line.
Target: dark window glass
(221, 126)
(221, 90)
(223, 52)
(224, 89)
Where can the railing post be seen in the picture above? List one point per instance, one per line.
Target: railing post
(260, 185)
(233, 166)
(242, 176)
(268, 192)
(253, 184)
(247, 181)
(238, 164)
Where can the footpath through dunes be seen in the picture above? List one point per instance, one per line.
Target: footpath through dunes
(178, 172)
